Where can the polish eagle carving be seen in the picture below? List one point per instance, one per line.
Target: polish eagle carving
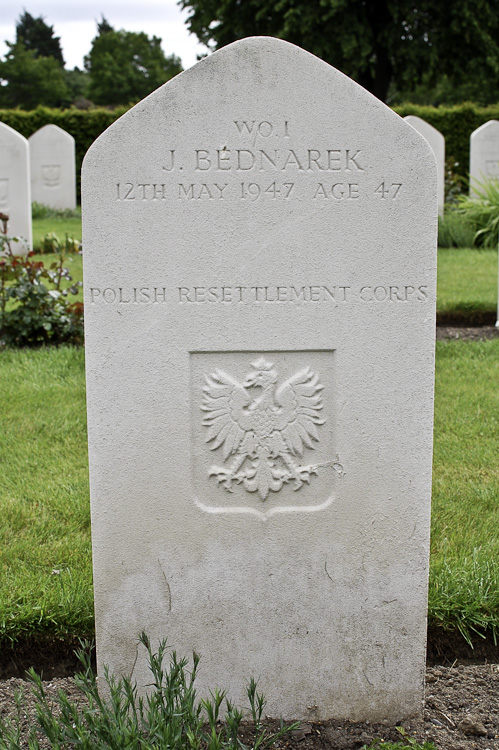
(264, 427)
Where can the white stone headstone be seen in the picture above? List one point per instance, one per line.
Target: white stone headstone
(15, 191)
(53, 171)
(260, 262)
(437, 145)
(484, 154)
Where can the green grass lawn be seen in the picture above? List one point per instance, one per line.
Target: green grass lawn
(466, 281)
(45, 559)
(464, 580)
(45, 571)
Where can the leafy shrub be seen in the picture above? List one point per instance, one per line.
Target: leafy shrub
(171, 716)
(481, 211)
(455, 230)
(455, 184)
(32, 313)
(52, 244)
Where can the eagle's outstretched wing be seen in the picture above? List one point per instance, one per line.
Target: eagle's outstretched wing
(300, 400)
(224, 401)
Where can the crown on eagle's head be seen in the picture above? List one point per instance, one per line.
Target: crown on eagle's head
(262, 364)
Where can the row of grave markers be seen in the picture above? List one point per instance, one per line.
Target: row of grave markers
(42, 169)
(484, 153)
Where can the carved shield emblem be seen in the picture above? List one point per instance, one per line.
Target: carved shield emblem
(51, 175)
(263, 428)
(4, 191)
(492, 167)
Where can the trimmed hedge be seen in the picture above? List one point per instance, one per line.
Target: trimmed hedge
(456, 123)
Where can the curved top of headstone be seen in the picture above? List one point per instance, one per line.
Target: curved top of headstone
(8, 133)
(47, 132)
(426, 129)
(290, 76)
(488, 128)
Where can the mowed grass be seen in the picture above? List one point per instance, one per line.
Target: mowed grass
(464, 580)
(45, 558)
(466, 281)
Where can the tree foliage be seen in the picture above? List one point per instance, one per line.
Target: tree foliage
(103, 26)
(27, 80)
(125, 66)
(383, 44)
(38, 37)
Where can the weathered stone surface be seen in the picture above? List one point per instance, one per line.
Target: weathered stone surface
(260, 258)
(437, 145)
(484, 154)
(15, 193)
(53, 171)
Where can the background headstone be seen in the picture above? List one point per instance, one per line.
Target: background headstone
(437, 145)
(484, 154)
(53, 175)
(15, 192)
(260, 262)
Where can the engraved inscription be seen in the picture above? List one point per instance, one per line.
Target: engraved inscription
(262, 128)
(387, 190)
(253, 191)
(262, 427)
(247, 295)
(279, 160)
(272, 166)
(244, 294)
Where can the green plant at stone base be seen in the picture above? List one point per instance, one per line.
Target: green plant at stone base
(482, 212)
(170, 716)
(411, 745)
(30, 313)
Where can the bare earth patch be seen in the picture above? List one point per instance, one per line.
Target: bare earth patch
(461, 713)
(482, 333)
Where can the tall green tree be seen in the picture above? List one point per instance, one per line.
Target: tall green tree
(103, 26)
(382, 44)
(27, 80)
(125, 66)
(38, 37)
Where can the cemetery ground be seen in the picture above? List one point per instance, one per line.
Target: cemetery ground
(45, 585)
